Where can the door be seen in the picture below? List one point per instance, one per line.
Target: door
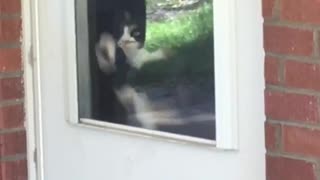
(70, 143)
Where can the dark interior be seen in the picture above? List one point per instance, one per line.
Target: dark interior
(103, 16)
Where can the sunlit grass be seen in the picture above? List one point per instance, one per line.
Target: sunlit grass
(191, 38)
(196, 25)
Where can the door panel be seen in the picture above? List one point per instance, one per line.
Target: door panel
(83, 152)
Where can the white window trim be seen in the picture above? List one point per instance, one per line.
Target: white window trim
(226, 82)
(226, 73)
(32, 89)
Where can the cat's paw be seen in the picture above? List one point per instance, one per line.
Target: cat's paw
(105, 53)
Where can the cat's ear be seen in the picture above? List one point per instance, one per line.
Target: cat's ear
(127, 16)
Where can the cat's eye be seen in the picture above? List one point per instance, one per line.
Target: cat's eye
(135, 33)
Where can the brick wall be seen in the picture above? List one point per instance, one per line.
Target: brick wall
(292, 71)
(13, 164)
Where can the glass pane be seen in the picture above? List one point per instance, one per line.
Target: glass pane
(148, 64)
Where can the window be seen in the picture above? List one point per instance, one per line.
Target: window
(153, 66)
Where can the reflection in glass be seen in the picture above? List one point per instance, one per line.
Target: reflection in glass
(148, 64)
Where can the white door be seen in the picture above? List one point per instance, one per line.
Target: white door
(69, 148)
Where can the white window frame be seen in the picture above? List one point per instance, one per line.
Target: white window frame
(226, 82)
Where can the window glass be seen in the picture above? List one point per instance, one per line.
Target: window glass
(147, 64)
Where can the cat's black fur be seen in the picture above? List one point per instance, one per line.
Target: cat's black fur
(110, 17)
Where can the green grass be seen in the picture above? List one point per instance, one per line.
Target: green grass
(191, 38)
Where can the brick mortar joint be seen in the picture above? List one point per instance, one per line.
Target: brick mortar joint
(11, 75)
(13, 158)
(276, 11)
(317, 170)
(288, 57)
(316, 41)
(6, 45)
(318, 101)
(293, 25)
(295, 124)
(277, 134)
(312, 160)
(9, 103)
(281, 71)
(9, 16)
(12, 131)
(291, 90)
(279, 137)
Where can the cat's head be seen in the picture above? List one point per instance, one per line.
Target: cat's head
(131, 34)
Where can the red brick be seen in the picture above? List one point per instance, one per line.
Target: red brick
(291, 107)
(286, 40)
(15, 170)
(10, 30)
(301, 141)
(271, 70)
(11, 88)
(271, 131)
(10, 6)
(279, 168)
(13, 143)
(302, 75)
(268, 6)
(301, 11)
(11, 117)
(10, 60)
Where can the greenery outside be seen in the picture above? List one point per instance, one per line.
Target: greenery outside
(189, 35)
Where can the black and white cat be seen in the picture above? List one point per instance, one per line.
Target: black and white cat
(132, 45)
(131, 42)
